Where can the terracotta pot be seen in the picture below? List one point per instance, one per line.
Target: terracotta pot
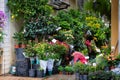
(60, 72)
(16, 46)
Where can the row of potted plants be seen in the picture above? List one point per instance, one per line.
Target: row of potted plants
(66, 70)
(89, 72)
(44, 50)
(100, 69)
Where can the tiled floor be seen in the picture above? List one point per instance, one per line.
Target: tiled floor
(53, 77)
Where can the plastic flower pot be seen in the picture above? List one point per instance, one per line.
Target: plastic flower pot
(40, 73)
(31, 72)
(49, 73)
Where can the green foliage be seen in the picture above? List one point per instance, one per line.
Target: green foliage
(64, 35)
(40, 27)
(45, 51)
(41, 69)
(117, 77)
(92, 69)
(88, 5)
(99, 6)
(41, 49)
(60, 68)
(102, 62)
(29, 50)
(100, 75)
(19, 37)
(78, 37)
(72, 22)
(38, 22)
(68, 69)
(77, 22)
(117, 59)
(59, 49)
(35, 15)
(1, 35)
(98, 30)
(28, 8)
(81, 68)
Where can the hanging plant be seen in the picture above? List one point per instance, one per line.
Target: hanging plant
(2, 24)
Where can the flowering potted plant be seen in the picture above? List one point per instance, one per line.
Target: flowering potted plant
(111, 60)
(2, 23)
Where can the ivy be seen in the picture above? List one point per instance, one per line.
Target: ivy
(36, 17)
(26, 9)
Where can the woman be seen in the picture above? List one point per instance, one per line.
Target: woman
(78, 56)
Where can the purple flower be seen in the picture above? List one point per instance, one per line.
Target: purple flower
(2, 18)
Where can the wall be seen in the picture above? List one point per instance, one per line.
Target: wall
(8, 45)
(73, 4)
(114, 23)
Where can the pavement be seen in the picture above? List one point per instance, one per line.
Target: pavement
(52, 77)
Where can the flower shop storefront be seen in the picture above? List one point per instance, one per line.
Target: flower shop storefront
(40, 37)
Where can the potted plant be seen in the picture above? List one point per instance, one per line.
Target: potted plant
(29, 51)
(60, 69)
(92, 69)
(60, 50)
(100, 75)
(111, 61)
(41, 50)
(19, 38)
(78, 70)
(68, 69)
(102, 62)
(31, 70)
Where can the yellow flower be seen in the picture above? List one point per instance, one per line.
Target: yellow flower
(98, 25)
(89, 24)
(13, 16)
(104, 46)
(94, 18)
(88, 18)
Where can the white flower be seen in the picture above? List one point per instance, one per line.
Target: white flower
(54, 40)
(0, 34)
(94, 64)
